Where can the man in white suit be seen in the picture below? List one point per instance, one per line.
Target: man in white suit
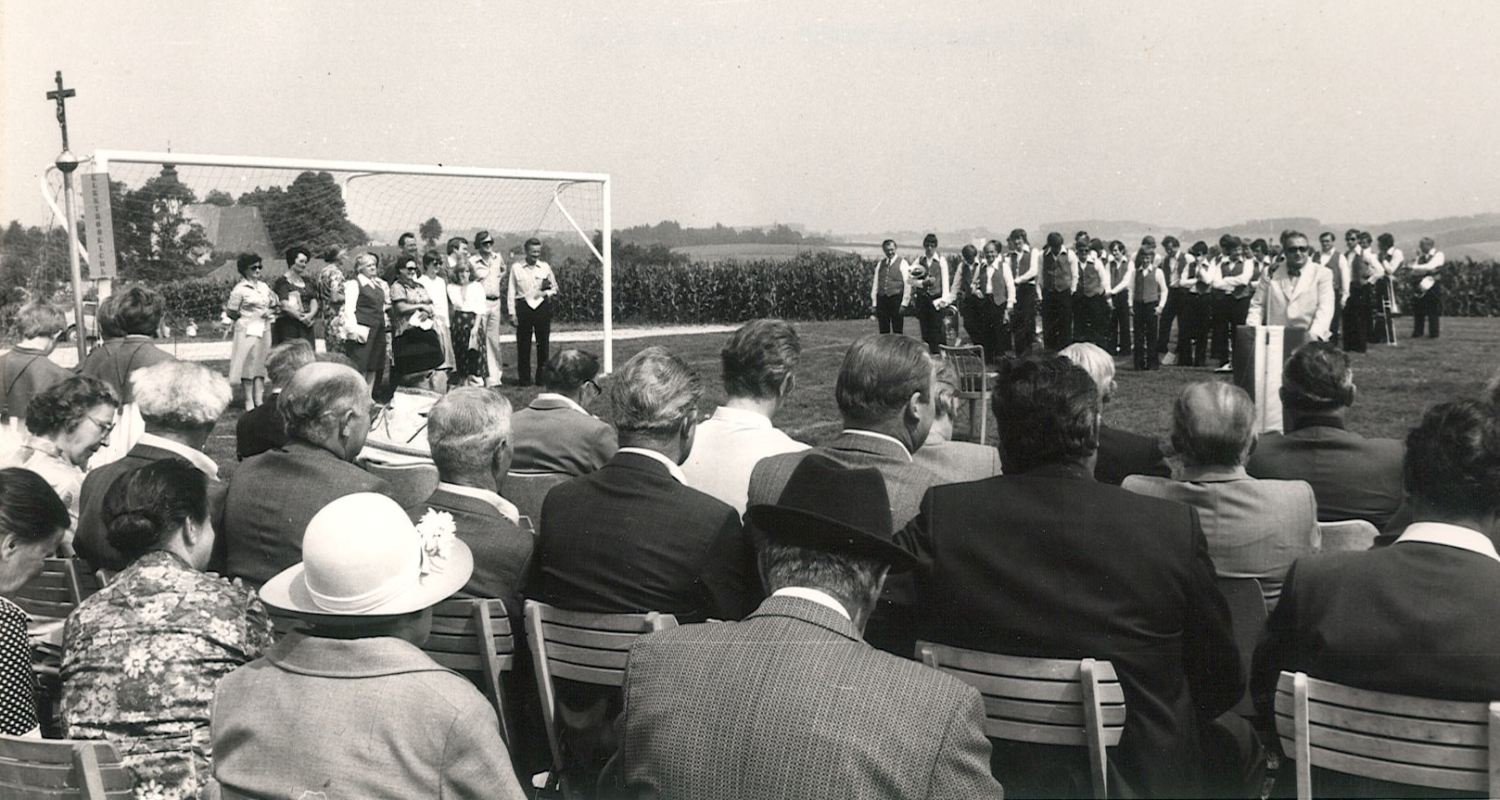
(1294, 294)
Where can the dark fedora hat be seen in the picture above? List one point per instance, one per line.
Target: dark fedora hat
(833, 508)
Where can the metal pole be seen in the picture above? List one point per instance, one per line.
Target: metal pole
(77, 271)
(607, 265)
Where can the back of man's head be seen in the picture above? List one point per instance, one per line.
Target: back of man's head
(1317, 380)
(317, 402)
(880, 374)
(852, 580)
(759, 357)
(1046, 411)
(1213, 424)
(565, 372)
(285, 359)
(467, 429)
(653, 395)
(179, 396)
(1098, 364)
(1452, 465)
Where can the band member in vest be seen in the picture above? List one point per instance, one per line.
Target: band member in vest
(1121, 267)
(366, 301)
(1002, 294)
(1428, 292)
(1229, 279)
(1025, 264)
(1333, 261)
(1194, 314)
(1390, 258)
(1147, 294)
(1173, 263)
(929, 282)
(970, 291)
(889, 290)
(1357, 314)
(1059, 280)
(1091, 302)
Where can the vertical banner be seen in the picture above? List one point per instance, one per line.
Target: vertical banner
(98, 223)
(1260, 351)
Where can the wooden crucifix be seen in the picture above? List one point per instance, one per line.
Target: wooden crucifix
(61, 95)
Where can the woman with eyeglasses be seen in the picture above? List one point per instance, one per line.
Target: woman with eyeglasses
(252, 305)
(467, 304)
(69, 422)
(418, 349)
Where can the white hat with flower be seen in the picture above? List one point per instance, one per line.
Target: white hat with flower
(362, 557)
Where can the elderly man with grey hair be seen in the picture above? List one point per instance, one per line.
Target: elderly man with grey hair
(261, 429)
(1120, 453)
(633, 537)
(1255, 528)
(272, 496)
(179, 401)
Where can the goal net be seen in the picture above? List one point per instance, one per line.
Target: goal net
(178, 221)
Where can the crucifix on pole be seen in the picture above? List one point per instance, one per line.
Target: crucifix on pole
(67, 163)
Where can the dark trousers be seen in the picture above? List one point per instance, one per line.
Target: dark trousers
(1119, 331)
(1145, 337)
(1169, 314)
(888, 313)
(1336, 328)
(930, 319)
(1057, 319)
(1427, 308)
(1227, 312)
(984, 321)
(1023, 319)
(1192, 330)
(533, 321)
(1091, 320)
(1357, 319)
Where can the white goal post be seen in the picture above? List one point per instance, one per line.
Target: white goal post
(529, 198)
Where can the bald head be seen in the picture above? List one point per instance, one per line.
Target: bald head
(1213, 425)
(327, 405)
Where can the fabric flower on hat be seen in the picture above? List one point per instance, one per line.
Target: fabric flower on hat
(435, 532)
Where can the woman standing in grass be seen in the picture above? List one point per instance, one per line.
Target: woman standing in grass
(252, 305)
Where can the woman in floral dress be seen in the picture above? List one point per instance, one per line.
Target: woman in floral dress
(143, 656)
(331, 298)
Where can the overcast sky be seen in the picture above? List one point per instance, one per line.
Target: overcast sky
(861, 117)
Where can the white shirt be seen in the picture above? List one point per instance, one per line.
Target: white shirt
(469, 297)
(506, 508)
(197, 458)
(873, 434)
(1451, 536)
(672, 468)
(526, 282)
(818, 596)
(437, 290)
(726, 448)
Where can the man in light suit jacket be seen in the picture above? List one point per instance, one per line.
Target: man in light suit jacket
(1255, 528)
(272, 496)
(1295, 293)
(1045, 562)
(790, 702)
(886, 395)
(950, 461)
(556, 434)
(1417, 617)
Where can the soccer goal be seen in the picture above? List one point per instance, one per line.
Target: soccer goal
(173, 218)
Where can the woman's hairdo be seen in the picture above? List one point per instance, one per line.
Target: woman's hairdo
(1452, 463)
(62, 406)
(180, 395)
(30, 509)
(246, 262)
(138, 310)
(40, 318)
(144, 507)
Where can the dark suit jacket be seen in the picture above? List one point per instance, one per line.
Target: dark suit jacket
(501, 549)
(1123, 453)
(1050, 563)
(272, 497)
(259, 429)
(630, 538)
(1353, 477)
(1413, 618)
(90, 541)
(24, 373)
(551, 436)
(790, 703)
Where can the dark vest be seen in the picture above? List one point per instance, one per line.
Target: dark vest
(1146, 290)
(1057, 272)
(1089, 284)
(1117, 270)
(1359, 269)
(890, 281)
(369, 308)
(1230, 268)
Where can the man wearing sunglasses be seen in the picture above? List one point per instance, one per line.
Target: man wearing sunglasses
(1295, 292)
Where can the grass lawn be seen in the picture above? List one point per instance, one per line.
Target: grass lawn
(1395, 383)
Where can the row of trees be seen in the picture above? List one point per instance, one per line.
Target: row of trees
(672, 234)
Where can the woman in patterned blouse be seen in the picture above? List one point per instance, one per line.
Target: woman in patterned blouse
(32, 521)
(141, 658)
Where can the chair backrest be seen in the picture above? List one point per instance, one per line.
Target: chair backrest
(1348, 534)
(410, 483)
(527, 490)
(973, 385)
(62, 584)
(1247, 613)
(473, 637)
(61, 769)
(1077, 703)
(583, 647)
(1445, 744)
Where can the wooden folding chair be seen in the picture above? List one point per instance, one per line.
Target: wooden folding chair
(61, 586)
(1349, 534)
(583, 647)
(1247, 614)
(473, 637)
(527, 490)
(1444, 744)
(1042, 700)
(973, 385)
(410, 483)
(61, 769)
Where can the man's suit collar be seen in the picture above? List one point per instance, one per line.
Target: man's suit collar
(548, 401)
(1063, 470)
(872, 443)
(648, 461)
(474, 501)
(809, 612)
(1213, 474)
(1319, 421)
(304, 448)
(349, 658)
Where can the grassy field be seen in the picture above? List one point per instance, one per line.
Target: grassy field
(1395, 383)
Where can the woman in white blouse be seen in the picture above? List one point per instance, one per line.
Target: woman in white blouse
(466, 308)
(252, 305)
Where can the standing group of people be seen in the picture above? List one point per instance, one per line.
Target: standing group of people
(1100, 292)
(430, 320)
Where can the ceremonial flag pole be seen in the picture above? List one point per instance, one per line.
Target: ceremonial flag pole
(67, 163)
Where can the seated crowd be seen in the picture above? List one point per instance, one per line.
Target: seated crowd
(790, 586)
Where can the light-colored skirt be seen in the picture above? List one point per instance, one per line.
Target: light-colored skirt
(247, 358)
(441, 326)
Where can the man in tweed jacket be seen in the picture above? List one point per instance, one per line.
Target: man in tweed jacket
(790, 702)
